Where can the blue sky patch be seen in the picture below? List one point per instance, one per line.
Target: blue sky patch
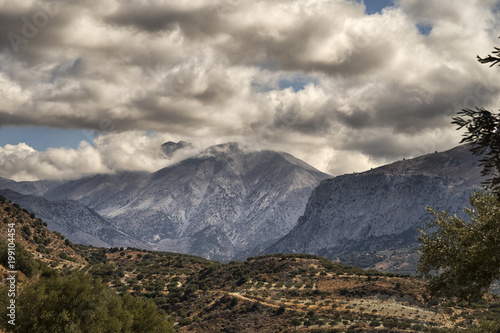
(297, 83)
(424, 29)
(40, 138)
(376, 6)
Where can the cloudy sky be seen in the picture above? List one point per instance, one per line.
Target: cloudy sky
(96, 86)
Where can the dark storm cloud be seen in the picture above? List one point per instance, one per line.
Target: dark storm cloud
(437, 111)
(164, 112)
(54, 120)
(357, 119)
(12, 119)
(381, 146)
(294, 47)
(194, 23)
(294, 116)
(290, 47)
(30, 33)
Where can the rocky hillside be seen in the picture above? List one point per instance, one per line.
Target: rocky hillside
(32, 234)
(382, 208)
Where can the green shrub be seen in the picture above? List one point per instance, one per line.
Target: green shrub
(64, 256)
(84, 306)
(24, 259)
(26, 229)
(58, 234)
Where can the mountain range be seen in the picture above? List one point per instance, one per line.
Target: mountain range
(229, 202)
(222, 203)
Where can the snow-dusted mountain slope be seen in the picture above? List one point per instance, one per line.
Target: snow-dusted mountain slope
(224, 202)
(77, 222)
(384, 207)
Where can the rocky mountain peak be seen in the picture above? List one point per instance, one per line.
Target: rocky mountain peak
(170, 148)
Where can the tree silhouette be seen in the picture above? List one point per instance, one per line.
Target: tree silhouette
(483, 132)
(489, 58)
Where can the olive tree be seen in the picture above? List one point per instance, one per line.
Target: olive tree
(461, 257)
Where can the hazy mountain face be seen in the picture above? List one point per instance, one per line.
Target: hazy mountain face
(30, 188)
(219, 204)
(384, 207)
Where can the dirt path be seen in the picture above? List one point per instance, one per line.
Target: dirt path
(240, 296)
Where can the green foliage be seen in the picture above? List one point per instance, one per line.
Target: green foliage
(280, 310)
(482, 327)
(97, 256)
(483, 132)
(26, 229)
(84, 306)
(42, 249)
(462, 258)
(24, 260)
(58, 234)
(234, 302)
(64, 256)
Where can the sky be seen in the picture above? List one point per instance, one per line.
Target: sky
(345, 85)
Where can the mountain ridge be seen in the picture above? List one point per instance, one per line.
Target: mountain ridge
(382, 207)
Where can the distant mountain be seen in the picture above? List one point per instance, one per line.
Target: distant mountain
(75, 221)
(223, 203)
(382, 208)
(26, 187)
